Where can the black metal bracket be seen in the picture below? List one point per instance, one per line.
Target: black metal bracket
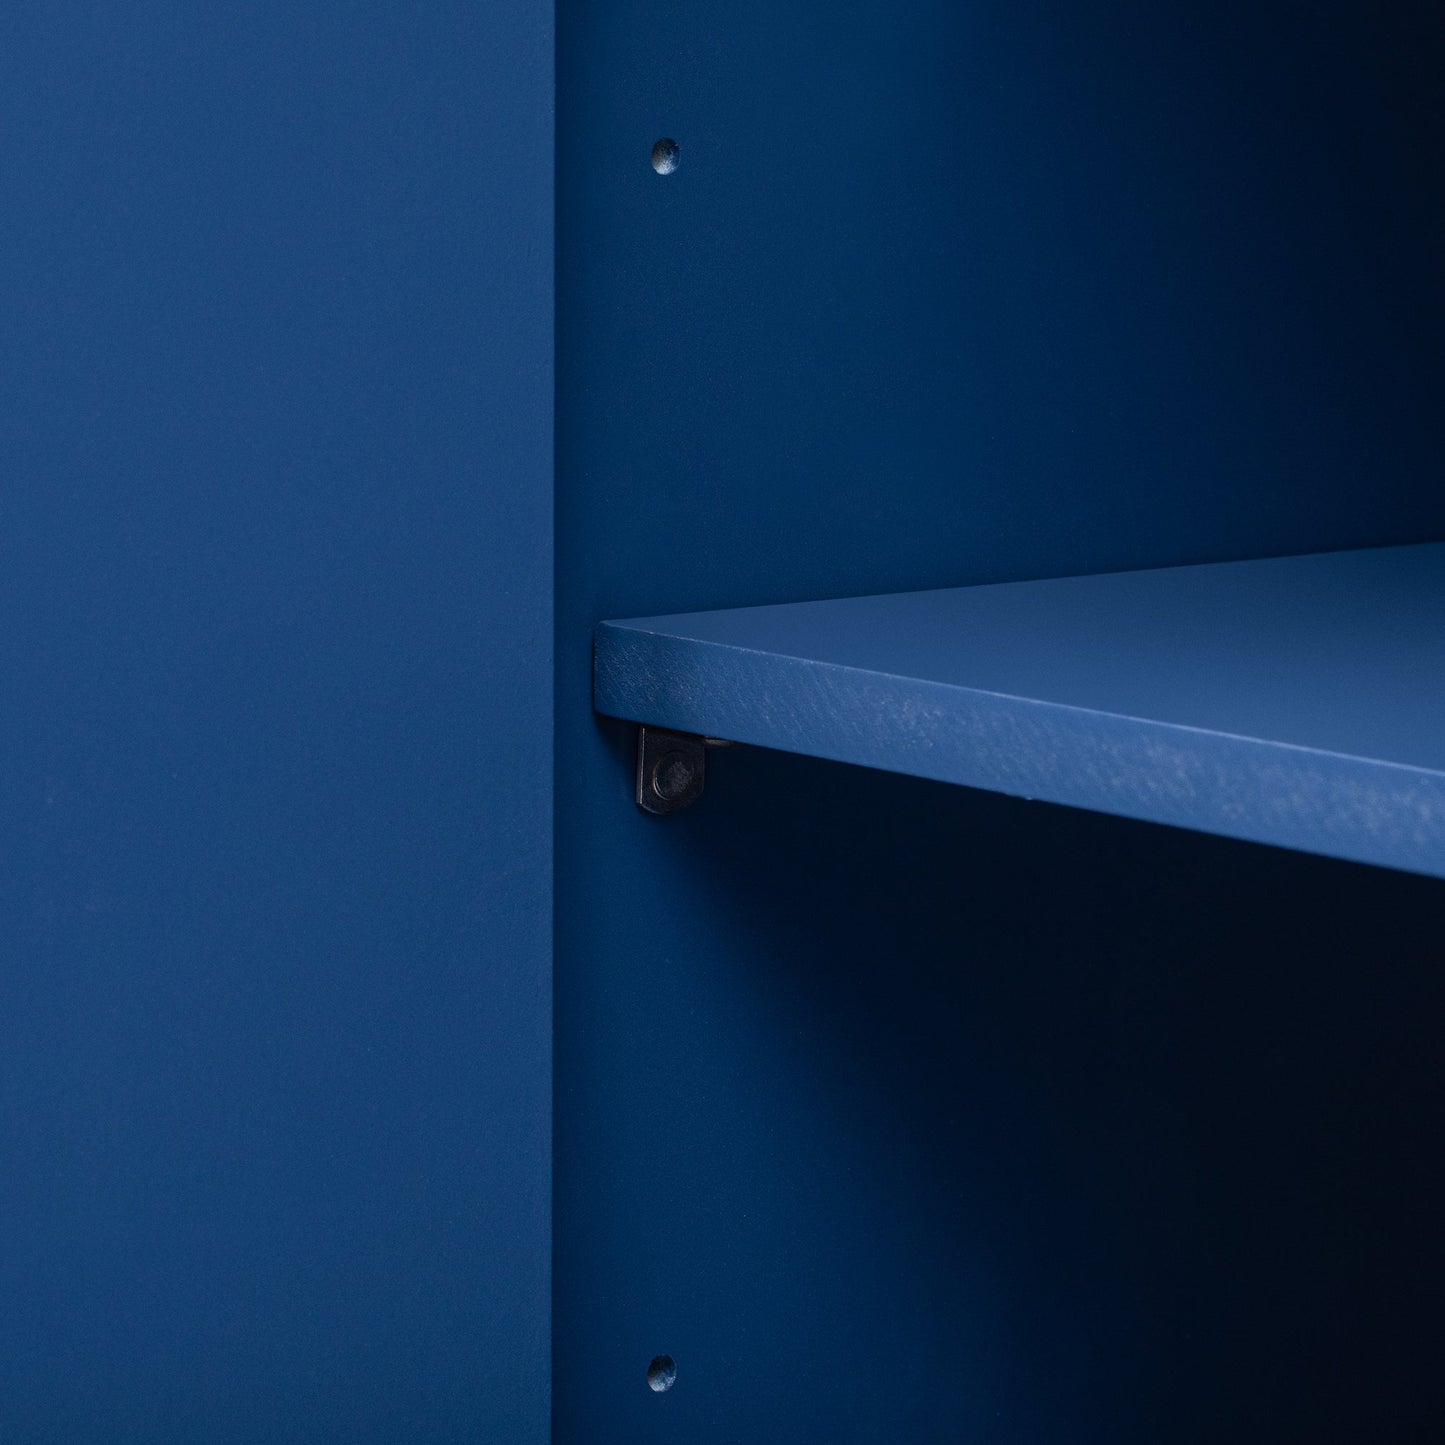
(671, 769)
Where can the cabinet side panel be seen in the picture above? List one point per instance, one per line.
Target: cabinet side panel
(275, 749)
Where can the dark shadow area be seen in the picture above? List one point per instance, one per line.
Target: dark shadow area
(1177, 1099)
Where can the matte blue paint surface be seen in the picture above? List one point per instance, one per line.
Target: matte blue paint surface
(1296, 701)
(275, 632)
(898, 1111)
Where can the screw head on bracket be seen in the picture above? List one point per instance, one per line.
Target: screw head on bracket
(673, 776)
(671, 770)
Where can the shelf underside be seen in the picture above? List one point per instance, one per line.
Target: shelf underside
(1298, 701)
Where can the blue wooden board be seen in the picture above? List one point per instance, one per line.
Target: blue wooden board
(275, 652)
(1297, 701)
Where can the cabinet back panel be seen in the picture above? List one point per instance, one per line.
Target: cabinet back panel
(891, 1111)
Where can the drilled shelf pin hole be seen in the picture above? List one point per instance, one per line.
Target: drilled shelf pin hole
(665, 156)
(661, 1374)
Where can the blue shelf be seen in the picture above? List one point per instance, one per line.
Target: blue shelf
(1298, 701)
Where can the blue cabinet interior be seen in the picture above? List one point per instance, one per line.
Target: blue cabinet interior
(275, 745)
(893, 1110)
(889, 1109)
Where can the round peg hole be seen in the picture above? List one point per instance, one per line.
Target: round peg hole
(665, 156)
(661, 1374)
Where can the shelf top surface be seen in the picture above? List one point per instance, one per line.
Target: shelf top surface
(1340, 652)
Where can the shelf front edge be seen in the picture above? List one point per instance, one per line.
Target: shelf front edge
(1360, 809)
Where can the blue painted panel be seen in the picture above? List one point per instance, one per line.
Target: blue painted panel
(1295, 701)
(896, 1111)
(275, 586)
